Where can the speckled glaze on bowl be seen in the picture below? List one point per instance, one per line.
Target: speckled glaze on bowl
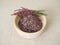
(26, 34)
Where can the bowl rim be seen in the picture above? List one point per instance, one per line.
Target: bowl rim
(17, 28)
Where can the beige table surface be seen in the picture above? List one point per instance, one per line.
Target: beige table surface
(8, 34)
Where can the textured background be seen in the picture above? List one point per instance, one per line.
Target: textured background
(8, 34)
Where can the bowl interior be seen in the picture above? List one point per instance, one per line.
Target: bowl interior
(42, 17)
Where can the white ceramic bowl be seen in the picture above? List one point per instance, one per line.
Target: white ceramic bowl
(29, 35)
